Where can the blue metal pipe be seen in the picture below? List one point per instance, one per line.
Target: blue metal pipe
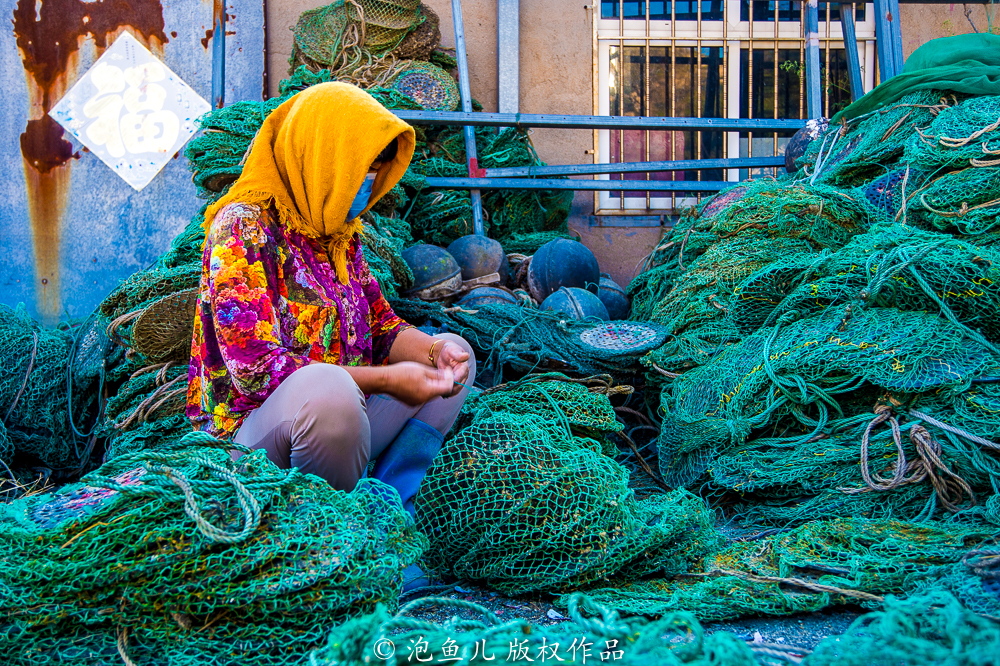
(471, 158)
(579, 185)
(888, 39)
(218, 54)
(851, 49)
(814, 101)
(525, 120)
(634, 167)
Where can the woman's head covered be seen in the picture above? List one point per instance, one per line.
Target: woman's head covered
(311, 156)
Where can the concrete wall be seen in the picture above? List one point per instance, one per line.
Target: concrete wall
(556, 76)
(921, 23)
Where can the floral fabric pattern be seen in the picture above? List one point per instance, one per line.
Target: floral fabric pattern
(269, 304)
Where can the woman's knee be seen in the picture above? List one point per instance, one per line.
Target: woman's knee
(331, 435)
(329, 400)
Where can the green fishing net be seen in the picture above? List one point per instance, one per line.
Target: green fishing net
(966, 201)
(930, 628)
(791, 410)
(50, 379)
(927, 628)
(525, 339)
(818, 565)
(188, 556)
(818, 360)
(593, 634)
(960, 135)
(348, 34)
(524, 497)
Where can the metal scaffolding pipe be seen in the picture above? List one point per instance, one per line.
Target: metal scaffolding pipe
(470, 134)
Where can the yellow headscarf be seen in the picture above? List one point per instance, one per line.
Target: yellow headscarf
(311, 156)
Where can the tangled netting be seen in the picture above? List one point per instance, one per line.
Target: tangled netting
(817, 355)
(523, 339)
(184, 556)
(593, 634)
(349, 35)
(834, 331)
(822, 563)
(50, 380)
(926, 629)
(526, 497)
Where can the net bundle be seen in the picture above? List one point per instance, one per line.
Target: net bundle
(932, 628)
(838, 361)
(348, 34)
(525, 497)
(593, 634)
(930, 160)
(821, 564)
(187, 557)
(50, 379)
(693, 275)
(150, 317)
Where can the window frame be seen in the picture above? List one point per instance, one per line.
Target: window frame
(733, 37)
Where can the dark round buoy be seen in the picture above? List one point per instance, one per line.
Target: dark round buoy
(613, 297)
(797, 145)
(577, 303)
(481, 296)
(562, 263)
(436, 274)
(480, 256)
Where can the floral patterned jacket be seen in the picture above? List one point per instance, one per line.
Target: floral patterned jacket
(269, 304)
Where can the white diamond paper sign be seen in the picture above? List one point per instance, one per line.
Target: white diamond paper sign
(130, 110)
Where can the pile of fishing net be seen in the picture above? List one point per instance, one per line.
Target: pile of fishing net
(823, 563)
(379, 43)
(927, 629)
(50, 382)
(527, 495)
(593, 634)
(834, 339)
(184, 556)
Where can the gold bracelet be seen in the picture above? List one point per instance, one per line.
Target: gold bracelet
(430, 353)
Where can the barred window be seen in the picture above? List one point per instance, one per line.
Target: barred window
(691, 59)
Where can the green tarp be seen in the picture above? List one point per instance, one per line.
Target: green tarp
(963, 63)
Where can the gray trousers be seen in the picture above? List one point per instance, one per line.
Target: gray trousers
(319, 421)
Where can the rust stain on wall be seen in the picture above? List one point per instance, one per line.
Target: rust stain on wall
(49, 36)
(218, 13)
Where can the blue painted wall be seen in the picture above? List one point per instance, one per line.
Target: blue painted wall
(107, 230)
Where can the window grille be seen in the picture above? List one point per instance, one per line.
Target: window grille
(707, 59)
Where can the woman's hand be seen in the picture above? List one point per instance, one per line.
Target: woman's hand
(415, 383)
(454, 358)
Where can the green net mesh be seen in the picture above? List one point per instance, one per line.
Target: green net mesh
(594, 634)
(49, 385)
(527, 465)
(821, 564)
(817, 355)
(524, 339)
(930, 628)
(186, 555)
(349, 34)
